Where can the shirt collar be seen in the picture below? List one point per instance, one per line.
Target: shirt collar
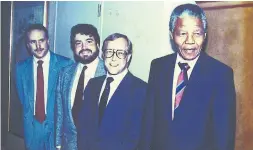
(191, 63)
(45, 59)
(119, 76)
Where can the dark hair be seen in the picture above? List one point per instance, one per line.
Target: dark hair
(115, 36)
(35, 27)
(86, 29)
(191, 10)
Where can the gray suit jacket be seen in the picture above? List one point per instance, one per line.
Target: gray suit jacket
(65, 129)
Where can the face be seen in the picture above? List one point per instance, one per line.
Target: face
(189, 36)
(86, 49)
(117, 62)
(37, 43)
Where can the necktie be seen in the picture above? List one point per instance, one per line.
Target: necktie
(79, 96)
(104, 98)
(40, 104)
(181, 83)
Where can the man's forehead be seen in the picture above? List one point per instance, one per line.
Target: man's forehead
(35, 34)
(85, 36)
(189, 21)
(119, 42)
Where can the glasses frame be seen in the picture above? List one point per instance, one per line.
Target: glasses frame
(116, 51)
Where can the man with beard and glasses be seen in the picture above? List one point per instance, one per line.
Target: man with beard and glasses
(36, 79)
(72, 81)
(191, 96)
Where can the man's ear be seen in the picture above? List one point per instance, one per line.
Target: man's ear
(27, 46)
(129, 57)
(171, 35)
(103, 56)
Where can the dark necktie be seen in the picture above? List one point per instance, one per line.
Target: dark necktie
(181, 83)
(104, 98)
(40, 104)
(79, 96)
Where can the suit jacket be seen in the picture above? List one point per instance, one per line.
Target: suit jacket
(36, 135)
(205, 118)
(65, 128)
(121, 122)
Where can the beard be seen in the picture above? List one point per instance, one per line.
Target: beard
(87, 59)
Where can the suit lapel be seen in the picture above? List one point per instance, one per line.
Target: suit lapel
(69, 77)
(30, 85)
(122, 88)
(96, 89)
(52, 78)
(166, 82)
(100, 68)
(116, 100)
(192, 88)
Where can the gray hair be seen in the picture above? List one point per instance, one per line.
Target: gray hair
(187, 9)
(115, 36)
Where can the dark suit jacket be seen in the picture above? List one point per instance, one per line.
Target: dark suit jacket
(205, 119)
(33, 130)
(121, 123)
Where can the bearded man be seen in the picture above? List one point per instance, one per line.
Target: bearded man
(72, 81)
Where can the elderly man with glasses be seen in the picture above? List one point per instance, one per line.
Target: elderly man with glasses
(110, 118)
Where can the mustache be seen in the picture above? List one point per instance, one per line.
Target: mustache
(39, 49)
(189, 48)
(84, 50)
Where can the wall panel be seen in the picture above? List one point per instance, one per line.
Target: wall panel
(230, 40)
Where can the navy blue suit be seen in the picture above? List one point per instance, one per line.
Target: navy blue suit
(121, 123)
(205, 118)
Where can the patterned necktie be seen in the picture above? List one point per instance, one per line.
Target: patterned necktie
(40, 104)
(79, 96)
(104, 98)
(181, 83)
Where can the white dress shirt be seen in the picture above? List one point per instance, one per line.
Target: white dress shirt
(177, 71)
(45, 65)
(88, 74)
(113, 85)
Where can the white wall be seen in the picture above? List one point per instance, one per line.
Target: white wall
(63, 16)
(146, 24)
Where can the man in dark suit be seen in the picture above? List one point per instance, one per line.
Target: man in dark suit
(72, 81)
(111, 114)
(191, 96)
(36, 79)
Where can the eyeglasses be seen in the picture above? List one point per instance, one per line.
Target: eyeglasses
(121, 54)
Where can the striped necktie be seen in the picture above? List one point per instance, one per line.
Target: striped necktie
(181, 83)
